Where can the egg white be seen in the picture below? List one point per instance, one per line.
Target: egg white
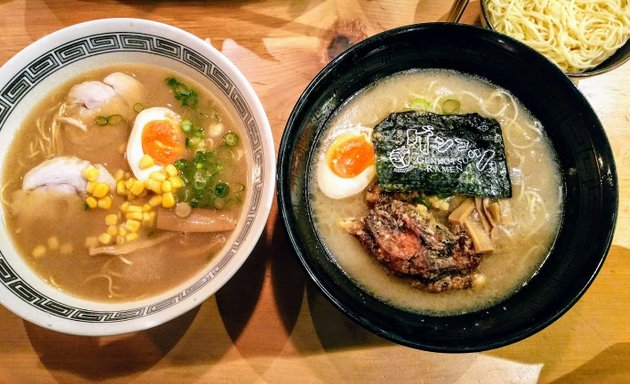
(337, 187)
(134, 144)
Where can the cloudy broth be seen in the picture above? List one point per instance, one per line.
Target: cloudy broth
(535, 207)
(36, 217)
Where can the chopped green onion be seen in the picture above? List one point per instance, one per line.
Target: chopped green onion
(188, 97)
(423, 200)
(221, 190)
(239, 187)
(419, 103)
(114, 119)
(192, 141)
(180, 164)
(198, 133)
(101, 120)
(230, 138)
(137, 107)
(450, 106)
(186, 125)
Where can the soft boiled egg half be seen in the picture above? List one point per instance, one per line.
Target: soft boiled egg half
(346, 165)
(156, 132)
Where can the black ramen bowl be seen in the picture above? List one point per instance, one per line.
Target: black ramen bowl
(585, 158)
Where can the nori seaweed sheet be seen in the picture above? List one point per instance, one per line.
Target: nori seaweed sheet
(441, 155)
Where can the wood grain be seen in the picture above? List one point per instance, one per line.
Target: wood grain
(269, 324)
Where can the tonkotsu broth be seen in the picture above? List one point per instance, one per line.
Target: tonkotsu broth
(134, 276)
(536, 205)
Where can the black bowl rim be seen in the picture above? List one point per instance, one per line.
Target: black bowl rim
(284, 201)
(616, 60)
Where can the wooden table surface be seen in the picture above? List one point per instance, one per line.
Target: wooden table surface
(269, 324)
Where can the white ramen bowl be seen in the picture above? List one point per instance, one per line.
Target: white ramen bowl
(47, 64)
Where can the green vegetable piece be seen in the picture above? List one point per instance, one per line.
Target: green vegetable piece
(230, 138)
(186, 126)
(221, 190)
(423, 200)
(114, 119)
(101, 120)
(180, 164)
(441, 155)
(420, 103)
(188, 97)
(450, 106)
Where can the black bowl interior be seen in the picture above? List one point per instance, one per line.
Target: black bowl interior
(583, 151)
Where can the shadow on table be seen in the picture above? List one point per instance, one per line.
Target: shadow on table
(99, 358)
(609, 366)
(239, 298)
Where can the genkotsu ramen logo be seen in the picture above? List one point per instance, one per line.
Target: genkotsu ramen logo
(441, 154)
(453, 153)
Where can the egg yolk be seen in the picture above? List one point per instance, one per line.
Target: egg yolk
(163, 141)
(349, 155)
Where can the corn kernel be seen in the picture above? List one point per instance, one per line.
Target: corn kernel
(105, 202)
(129, 183)
(168, 200)
(167, 186)
(152, 216)
(155, 201)
(134, 208)
(90, 173)
(39, 251)
(89, 187)
(131, 237)
(146, 161)
(91, 202)
(120, 188)
(146, 207)
(122, 147)
(66, 249)
(137, 187)
(111, 219)
(91, 241)
(112, 230)
(119, 175)
(176, 182)
(105, 238)
(122, 231)
(134, 216)
(170, 170)
(157, 175)
(124, 206)
(153, 185)
(100, 189)
(53, 242)
(132, 225)
(146, 219)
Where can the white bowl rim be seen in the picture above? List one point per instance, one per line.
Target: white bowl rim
(39, 309)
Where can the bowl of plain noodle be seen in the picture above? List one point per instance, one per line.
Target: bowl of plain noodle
(372, 170)
(582, 37)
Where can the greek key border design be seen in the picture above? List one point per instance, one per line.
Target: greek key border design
(68, 53)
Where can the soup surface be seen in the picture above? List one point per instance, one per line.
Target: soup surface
(125, 182)
(529, 219)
